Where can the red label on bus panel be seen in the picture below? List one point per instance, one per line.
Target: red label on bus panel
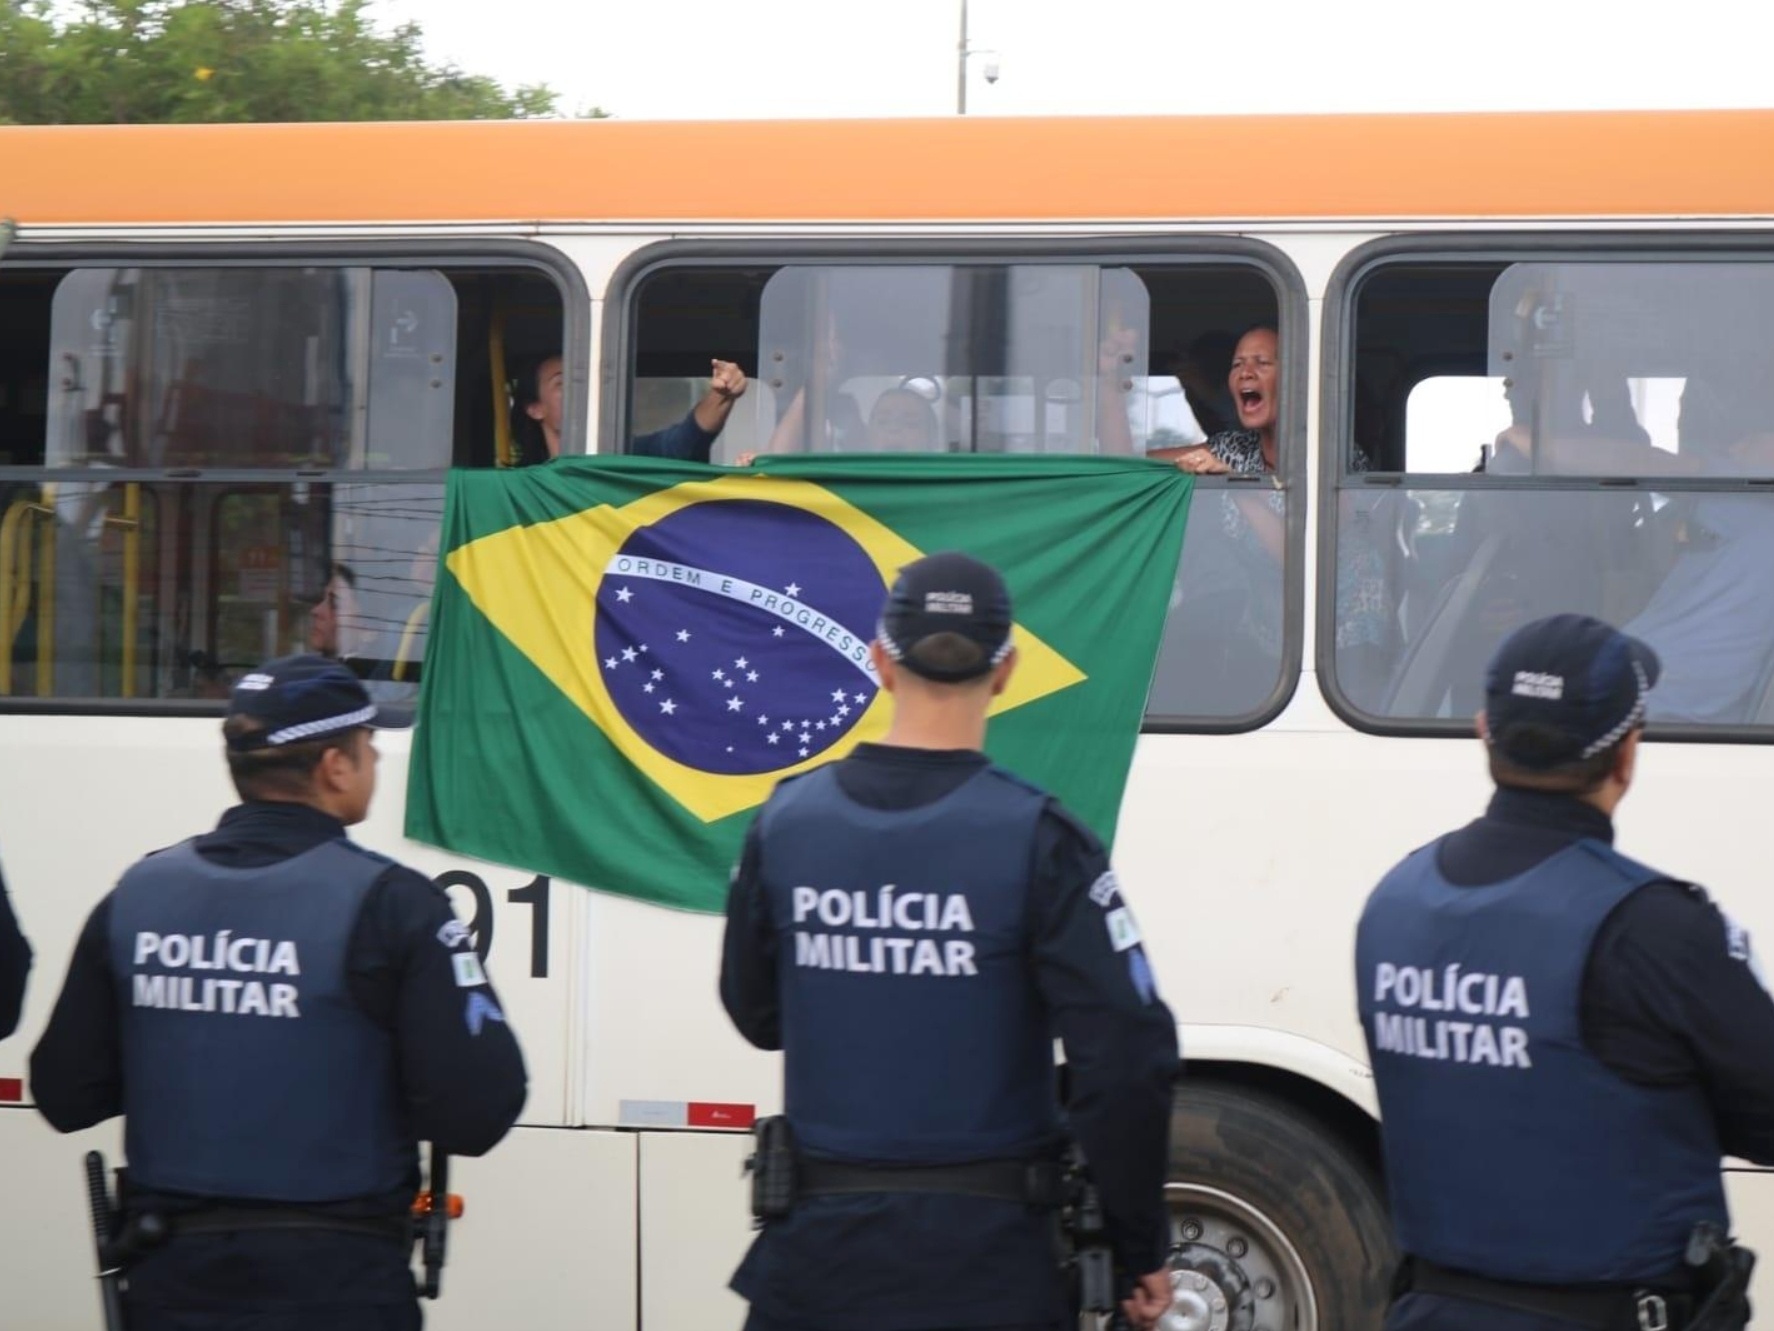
(12, 1090)
(706, 1115)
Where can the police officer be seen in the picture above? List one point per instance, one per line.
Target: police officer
(1565, 1041)
(913, 926)
(280, 1016)
(15, 965)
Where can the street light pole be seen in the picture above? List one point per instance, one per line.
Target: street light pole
(961, 66)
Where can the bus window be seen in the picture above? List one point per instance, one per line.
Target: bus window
(1065, 356)
(1575, 435)
(202, 467)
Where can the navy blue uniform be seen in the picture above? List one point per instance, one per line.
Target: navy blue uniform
(15, 965)
(914, 928)
(391, 985)
(1626, 1049)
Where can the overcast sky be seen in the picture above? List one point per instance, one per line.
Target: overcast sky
(652, 59)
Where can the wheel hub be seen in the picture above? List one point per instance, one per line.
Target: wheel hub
(1232, 1268)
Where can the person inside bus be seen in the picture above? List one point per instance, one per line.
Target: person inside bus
(542, 393)
(1711, 618)
(1255, 526)
(339, 630)
(901, 420)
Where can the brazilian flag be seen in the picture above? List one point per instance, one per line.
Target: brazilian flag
(627, 654)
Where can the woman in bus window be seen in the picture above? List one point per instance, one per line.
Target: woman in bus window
(1257, 523)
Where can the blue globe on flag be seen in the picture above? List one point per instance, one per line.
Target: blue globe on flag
(738, 646)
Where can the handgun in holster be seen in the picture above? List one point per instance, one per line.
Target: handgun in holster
(1092, 1260)
(1720, 1270)
(772, 1169)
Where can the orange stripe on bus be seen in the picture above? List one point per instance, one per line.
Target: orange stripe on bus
(978, 169)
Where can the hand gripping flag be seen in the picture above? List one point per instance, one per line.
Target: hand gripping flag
(626, 654)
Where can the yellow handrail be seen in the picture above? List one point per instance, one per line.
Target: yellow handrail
(414, 622)
(502, 453)
(130, 523)
(15, 579)
(46, 601)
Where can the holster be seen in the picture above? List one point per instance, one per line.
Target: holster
(1722, 1269)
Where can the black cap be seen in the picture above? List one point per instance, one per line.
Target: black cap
(301, 698)
(1563, 689)
(947, 592)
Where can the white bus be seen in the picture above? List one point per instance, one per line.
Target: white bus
(236, 362)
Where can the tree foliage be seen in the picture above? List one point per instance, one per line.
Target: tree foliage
(190, 61)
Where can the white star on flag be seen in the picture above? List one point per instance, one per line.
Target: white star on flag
(860, 700)
(609, 663)
(658, 674)
(647, 687)
(668, 707)
(719, 674)
(837, 695)
(844, 710)
(751, 677)
(741, 663)
(624, 595)
(803, 753)
(771, 738)
(793, 589)
(629, 653)
(683, 635)
(735, 704)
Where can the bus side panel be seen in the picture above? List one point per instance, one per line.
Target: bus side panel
(695, 1226)
(547, 1235)
(1751, 1197)
(47, 1263)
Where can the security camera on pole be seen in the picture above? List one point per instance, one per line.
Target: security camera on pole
(962, 52)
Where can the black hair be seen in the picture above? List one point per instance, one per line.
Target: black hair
(526, 387)
(284, 773)
(1577, 776)
(946, 652)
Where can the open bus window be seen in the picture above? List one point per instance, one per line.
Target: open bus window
(1592, 430)
(1011, 357)
(201, 468)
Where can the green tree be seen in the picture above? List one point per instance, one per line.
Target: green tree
(195, 61)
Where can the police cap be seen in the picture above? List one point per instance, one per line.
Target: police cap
(1563, 689)
(947, 593)
(301, 698)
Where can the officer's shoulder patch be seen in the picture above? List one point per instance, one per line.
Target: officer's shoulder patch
(1105, 888)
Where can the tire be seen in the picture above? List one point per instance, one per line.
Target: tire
(1275, 1225)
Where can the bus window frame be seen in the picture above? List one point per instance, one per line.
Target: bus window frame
(536, 257)
(1337, 409)
(1294, 326)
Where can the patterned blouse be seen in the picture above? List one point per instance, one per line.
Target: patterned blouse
(1361, 572)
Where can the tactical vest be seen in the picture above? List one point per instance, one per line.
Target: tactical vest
(1512, 1152)
(248, 1070)
(912, 1029)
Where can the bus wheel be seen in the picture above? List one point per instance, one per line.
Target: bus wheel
(1274, 1225)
